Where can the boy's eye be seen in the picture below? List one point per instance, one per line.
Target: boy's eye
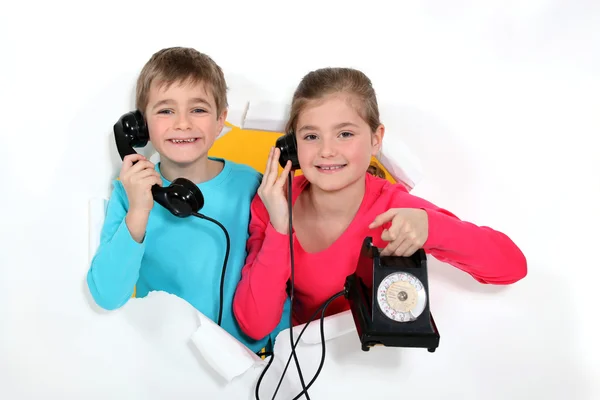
(199, 110)
(346, 134)
(164, 111)
(310, 137)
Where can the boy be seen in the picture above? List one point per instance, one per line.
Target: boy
(182, 95)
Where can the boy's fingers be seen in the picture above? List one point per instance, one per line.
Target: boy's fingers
(133, 157)
(135, 170)
(151, 180)
(145, 173)
(142, 165)
(130, 159)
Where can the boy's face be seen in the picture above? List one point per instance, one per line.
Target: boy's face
(182, 121)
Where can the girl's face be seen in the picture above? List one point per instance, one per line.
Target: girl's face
(335, 144)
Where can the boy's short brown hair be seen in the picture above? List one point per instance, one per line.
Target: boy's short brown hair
(181, 64)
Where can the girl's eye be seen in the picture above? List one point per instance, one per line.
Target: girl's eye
(164, 111)
(310, 137)
(199, 110)
(347, 134)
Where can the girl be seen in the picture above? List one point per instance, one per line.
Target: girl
(337, 203)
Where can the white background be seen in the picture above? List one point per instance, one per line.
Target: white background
(499, 100)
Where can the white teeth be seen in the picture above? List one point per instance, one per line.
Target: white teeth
(332, 167)
(183, 140)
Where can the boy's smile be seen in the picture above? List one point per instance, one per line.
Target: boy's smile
(182, 141)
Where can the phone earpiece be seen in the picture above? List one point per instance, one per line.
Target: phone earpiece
(289, 150)
(131, 131)
(182, 197)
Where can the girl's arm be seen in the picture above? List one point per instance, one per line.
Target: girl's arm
(261, 293)
(486, 254)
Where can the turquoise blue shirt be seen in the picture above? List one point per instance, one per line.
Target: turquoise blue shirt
(181, 256)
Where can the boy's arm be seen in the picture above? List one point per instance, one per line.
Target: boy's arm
(261, 293)
(488, 255)
(114, 270)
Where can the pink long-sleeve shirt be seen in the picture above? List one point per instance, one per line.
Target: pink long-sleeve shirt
(487, 255)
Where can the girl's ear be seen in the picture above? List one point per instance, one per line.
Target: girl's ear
(377, 140)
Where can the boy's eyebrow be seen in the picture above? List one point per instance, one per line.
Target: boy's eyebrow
(195, 100)
(162, 103)
(199, 100)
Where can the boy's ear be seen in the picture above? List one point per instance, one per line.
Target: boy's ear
(221, 119)
(377, 140)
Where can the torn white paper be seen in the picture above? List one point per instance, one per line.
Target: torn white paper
(334, 326)
(151, 337)
(225, 354)
(400, 162)
(238, 107)
(266, 116)
(226, 129)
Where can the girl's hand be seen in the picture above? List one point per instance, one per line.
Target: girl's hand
(272, 191)
(408, 232)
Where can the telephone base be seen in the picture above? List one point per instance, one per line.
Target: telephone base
(372, 334)
(380, 317)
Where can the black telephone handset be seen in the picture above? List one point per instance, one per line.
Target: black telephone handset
(289, 150)
(182, 197)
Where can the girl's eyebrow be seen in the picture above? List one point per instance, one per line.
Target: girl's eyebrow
(338, 126)
(307, 128)
(345, 125)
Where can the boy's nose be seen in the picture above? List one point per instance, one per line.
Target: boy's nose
(183, 122)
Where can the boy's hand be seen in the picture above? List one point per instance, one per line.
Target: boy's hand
(272, 192)
(138, 180)
(407, 233)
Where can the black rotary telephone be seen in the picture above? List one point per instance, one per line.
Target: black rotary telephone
(182, 197)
